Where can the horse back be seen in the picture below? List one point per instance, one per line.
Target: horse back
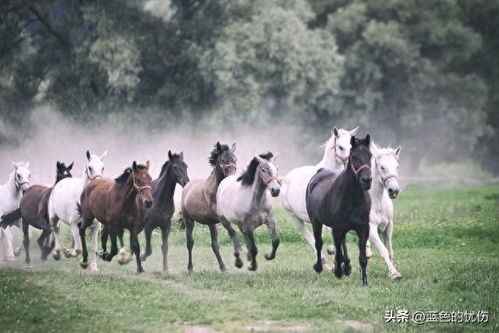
(34, 205)
(94, 199)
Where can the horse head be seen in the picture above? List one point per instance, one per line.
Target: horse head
(224, 159)
(386, 162)
(179, 168)
(21, 175)
(268, 172)
(360, 161)
(141, 181)
(339, 143)
(95, 165)
(63, 171)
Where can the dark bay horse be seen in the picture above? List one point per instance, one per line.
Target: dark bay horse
(33, 210)
(173, 172)
(342, 202)
(199, 200)
(116, 205)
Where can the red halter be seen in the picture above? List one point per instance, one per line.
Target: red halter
(224, 167)
(359, 169)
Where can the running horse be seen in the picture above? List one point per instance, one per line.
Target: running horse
(342, 202)
(116, 205)
(33, 210)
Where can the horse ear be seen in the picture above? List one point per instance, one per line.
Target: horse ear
(88, 155)
(170, 155)
(14, 164)
(181, 155)
(354, 131)
(70, 166)
(134, 165)
(274, 158)
(397, 152)
(368, 140)
(103, 155)
(219, 147)
(58, 165)
(335, 132)
(233, 149)
(148, 164)
(259, 159)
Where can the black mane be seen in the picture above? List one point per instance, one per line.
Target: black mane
(215, 153)
(126, 173)
(248, 176)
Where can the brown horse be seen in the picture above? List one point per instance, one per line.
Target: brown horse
(199, 200)
(116, 205)
(33, 210)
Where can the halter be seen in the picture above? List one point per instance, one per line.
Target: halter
(18, 184)
(267, 179)
(226, 167)
(139, 188)
(359, 169)
(91, 178)
(384, 180)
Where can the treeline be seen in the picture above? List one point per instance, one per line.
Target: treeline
(424, 73)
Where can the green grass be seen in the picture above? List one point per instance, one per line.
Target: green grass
(446, 247)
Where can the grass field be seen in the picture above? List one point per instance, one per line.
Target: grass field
(446, 244)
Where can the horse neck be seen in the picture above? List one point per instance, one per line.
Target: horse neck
(10, 187)
(166, 186)
(213, 180)
(377, 187)
(127, 192)
(257, 191)
(329, 160)
(351, 186)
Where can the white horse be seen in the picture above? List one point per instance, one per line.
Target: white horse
(10, 196)
(245, 202)
(294, 186)
(63, 203)
(385, 186)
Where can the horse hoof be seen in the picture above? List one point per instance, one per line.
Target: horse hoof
(252, 267)
(238, 263)
(190, 268)
(223, 269)
(57, 255)
(395, 275)
(77, 253)
(369, 258)
(143, 257)
(338, 272)
(18, 252)
(94, 268)
(330, 249)
(347, 269)
(317, 267)
(269, 256)
(83, 264)
(140, 270)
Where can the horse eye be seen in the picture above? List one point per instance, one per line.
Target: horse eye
(341, 148)
(383, 168)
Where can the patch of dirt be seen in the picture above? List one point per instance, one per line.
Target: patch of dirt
(357, 326)
(199, 329)
(276, 326)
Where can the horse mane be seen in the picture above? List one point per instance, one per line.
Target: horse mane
(121, 180)
(215, 153)
(248, 176)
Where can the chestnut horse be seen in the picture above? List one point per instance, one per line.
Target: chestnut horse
(116, 205)
(33, 210)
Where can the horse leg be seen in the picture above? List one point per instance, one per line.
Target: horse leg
(42, 240)
(25, 227)
(347, 268)
(83, 228)
(125, 257)
(309, 237)
(270, 222)
(235, 242)
(252, 249)
(134, 244)
(339, 239)
(388, 239)
(215, 247)
(108, 256)
(18, 251)
(76, 250)
(374, 237)
(331, 248)
(148, 234)
(95, 232)
(317, 226)
(189, 226)
(54, 224)
(165, 232)
(363, 234)
(103, 238)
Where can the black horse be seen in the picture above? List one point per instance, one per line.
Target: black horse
(159, 215)
(342, 202)
(33, 210)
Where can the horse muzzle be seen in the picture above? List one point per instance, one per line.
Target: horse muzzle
(393, 193)
(148, 203)
(275, 192)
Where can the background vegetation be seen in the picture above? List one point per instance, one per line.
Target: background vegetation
(420, 72)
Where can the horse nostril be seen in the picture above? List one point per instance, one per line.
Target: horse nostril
(148, 203)
(275, 192)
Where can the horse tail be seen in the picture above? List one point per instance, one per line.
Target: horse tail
(181, 221)
(10, 218)
(78, 209)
